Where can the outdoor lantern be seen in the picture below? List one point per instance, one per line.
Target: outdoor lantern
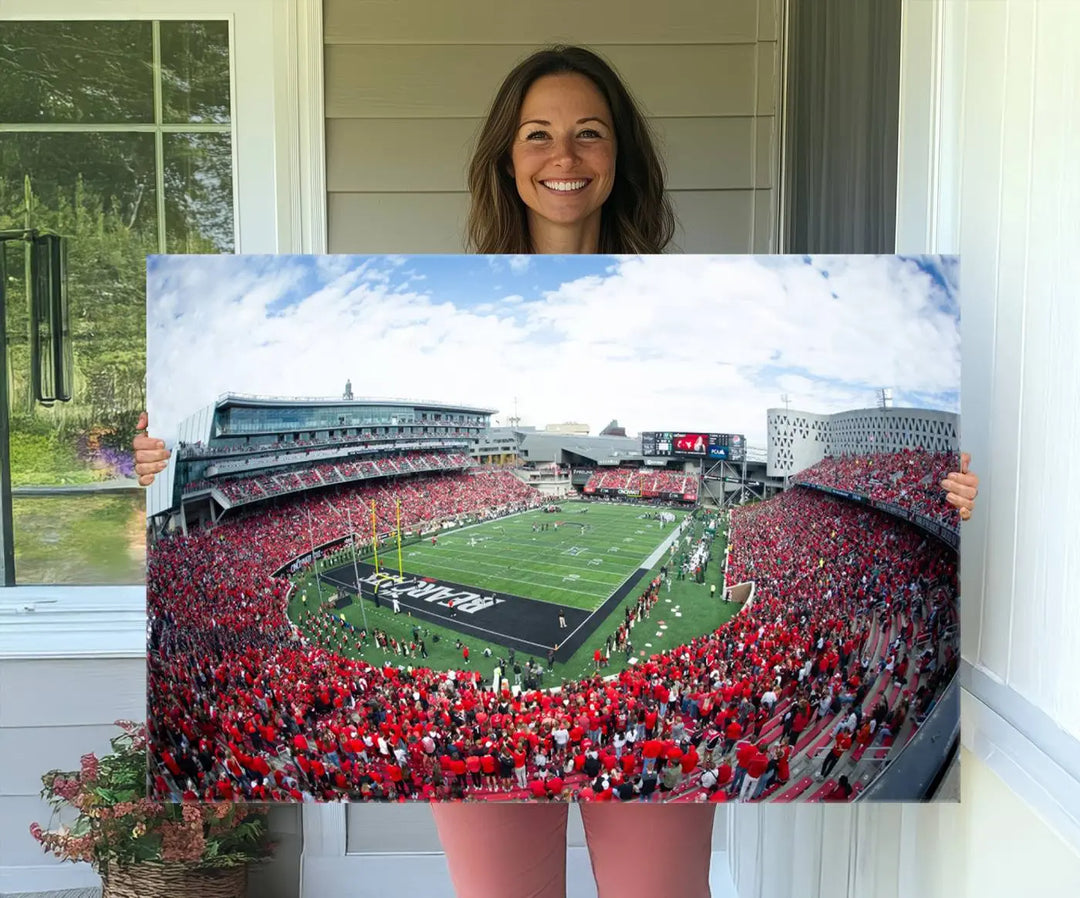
(51, 361)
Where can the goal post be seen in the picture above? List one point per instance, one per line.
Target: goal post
(375, 536)
(381, 574)
(401, 569)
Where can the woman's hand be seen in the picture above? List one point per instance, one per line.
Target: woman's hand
(151, 456)
(961, 488)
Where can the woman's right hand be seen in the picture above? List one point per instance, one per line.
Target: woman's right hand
(151, 456)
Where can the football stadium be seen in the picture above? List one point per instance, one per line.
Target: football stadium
(394, 600)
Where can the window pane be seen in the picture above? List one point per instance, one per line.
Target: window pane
(98, 72)
(99, 191)
(77, 178)
(195, 72)
(198, 193)
(81, 540)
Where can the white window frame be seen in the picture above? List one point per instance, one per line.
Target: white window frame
(280, 207)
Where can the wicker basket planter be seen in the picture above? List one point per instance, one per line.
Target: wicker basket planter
(150, 880)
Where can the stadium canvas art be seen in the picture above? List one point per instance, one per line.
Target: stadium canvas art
(661, 528)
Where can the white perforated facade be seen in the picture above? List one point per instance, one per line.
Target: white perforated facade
(798, 440)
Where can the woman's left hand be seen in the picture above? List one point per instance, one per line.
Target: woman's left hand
(961, 488)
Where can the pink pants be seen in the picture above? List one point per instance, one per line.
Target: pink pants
(497, 850)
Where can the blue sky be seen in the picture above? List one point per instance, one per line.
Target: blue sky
(657, 342)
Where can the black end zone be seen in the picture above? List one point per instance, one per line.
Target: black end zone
(526, 625)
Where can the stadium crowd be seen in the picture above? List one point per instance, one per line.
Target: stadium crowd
(846, 633)
(262, 486)
(643, 481)
(909, 479)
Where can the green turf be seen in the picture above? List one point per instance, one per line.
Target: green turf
(697, 614)
(568, 566)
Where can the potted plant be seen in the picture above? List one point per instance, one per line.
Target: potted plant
(144, 848)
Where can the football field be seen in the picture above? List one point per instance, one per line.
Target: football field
(577, 564)
(461, 590)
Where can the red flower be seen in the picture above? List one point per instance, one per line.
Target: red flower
(89, 764)
(181, 842)
(66, 788)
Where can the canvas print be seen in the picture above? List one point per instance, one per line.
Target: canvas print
(552, 528)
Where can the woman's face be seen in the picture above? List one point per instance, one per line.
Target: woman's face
(563, 153)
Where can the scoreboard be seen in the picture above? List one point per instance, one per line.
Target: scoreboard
(695, 444)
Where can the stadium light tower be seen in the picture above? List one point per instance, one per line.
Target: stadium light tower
(348, 395)
(884, 401)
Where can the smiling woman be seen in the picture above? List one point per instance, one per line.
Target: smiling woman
(563, 161)
(564, 139)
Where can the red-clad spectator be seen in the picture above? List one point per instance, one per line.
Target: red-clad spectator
(651, 717)
(841, 791)
(841, 744)
(783, 762)
(732, 733)
(650, 751)
(755, 767)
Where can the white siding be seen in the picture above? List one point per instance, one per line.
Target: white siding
(1017, 177)
(1006, 847)
(408, 83)
(51, 713)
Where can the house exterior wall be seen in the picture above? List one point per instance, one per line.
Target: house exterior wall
(407, 85)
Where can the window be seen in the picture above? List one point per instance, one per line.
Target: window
(118, 135)
(181, 138)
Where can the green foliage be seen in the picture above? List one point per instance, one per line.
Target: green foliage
(40, 458)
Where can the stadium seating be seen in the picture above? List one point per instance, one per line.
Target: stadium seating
(909, 479)
(644, 482)
(235, 687)
(251, 488)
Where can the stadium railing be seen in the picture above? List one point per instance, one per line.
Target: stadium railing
(918, 766)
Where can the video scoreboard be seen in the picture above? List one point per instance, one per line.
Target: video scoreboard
(673, 444)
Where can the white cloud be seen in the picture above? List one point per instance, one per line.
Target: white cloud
(660, 342)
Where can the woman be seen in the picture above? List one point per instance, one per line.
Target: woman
(565, 164)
